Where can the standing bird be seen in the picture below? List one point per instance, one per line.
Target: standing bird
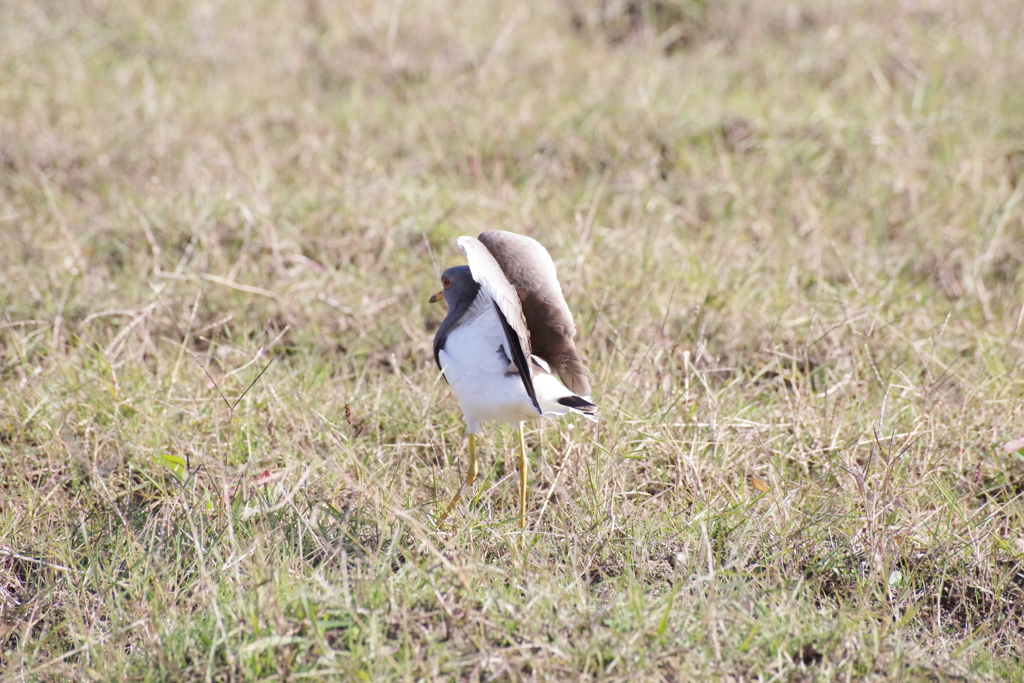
(506, 346)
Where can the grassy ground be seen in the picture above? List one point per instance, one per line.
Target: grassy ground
(791, 234)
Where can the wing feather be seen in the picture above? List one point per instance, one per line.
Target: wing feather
(527, 266)
(492, 280)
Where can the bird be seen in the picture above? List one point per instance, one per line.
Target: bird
(506, 345)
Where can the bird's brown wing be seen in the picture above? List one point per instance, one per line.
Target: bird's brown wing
(528, 267)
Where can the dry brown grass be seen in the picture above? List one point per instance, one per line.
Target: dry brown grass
(792, 236)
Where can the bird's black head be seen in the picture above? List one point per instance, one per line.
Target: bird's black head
(459, 287)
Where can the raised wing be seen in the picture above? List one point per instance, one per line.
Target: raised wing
(527, 266)
(488, 274)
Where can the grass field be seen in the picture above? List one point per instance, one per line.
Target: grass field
(792, 234)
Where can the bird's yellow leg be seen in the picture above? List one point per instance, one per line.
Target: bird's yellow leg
(471, 475)
(522, 478)
(470, 478)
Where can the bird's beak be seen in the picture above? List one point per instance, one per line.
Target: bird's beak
(437, 297)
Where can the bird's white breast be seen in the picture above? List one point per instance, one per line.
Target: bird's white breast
(475, 363)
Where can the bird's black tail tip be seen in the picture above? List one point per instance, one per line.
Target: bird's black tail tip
(579, 404)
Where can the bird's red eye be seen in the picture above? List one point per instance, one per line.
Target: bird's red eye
(446, 282)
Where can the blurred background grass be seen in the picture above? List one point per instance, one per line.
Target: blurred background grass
(791, 234)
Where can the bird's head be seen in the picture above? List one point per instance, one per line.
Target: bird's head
(458, 286)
